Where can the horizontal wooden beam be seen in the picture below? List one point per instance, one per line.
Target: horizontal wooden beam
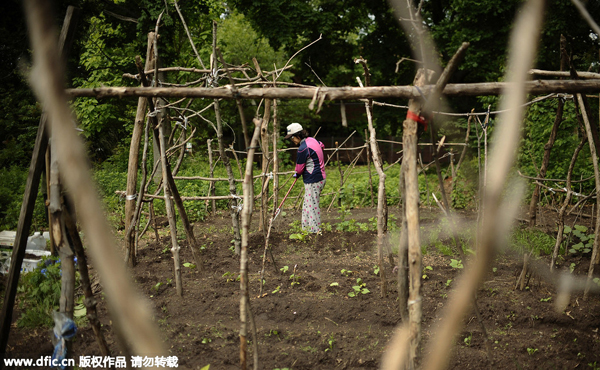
(536, 87)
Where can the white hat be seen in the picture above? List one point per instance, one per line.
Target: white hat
(292, 129)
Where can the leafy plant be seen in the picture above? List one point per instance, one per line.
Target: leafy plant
(189, 265)
(230, 277)
(376, 270)
(586, 242)
(531, 351)
(330, 342)
(284, 269)
(468, 339)
(295, 279)
(276, 289)
(359, 288)
(457, 264)
(346, 272)
(301, 236)
(40, 290)
(426, 268)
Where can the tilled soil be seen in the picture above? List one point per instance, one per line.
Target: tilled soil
(310, 321)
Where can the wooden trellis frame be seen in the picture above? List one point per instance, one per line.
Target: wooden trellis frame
(136, 328)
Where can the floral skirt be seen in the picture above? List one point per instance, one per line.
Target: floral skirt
(311, 211)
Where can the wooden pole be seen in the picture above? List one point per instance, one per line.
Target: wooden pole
(590, 137)
(90, 301)
(169, 208)
(129, 311)
(233, 204)
(339, 166)
(382, 211)
(264, 135)
(564, 60)
(566, 202)
(211, 184)
(66, 38)
(248, 193)
(275, 155)
(537, 87)
(136, 136)
(414, 259)
(369, 167)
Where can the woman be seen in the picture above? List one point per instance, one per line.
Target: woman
(311, 165)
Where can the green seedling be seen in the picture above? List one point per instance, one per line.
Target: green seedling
(457, 264)
(284, 269)
(359, 288)
(295, 278)
(158, 285)
(330, 341)
(301, 236)
(346, 272)
(276, 289)
(468, 339)
(545, 299)
(334, 284)
(425, 269)
(230, 276)
(448, 282)
(191, 266)
(376, 270)
(531, 351)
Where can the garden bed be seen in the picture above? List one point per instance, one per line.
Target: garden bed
(315, 324)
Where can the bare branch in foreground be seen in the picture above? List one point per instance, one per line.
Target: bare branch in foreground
(129, 310)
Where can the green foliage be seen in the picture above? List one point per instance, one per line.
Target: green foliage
(359, 288)
(457, 264)
(585, 241)
(532, 239)
(531, 351)
(12, 188)
(40, 293)
(301, 236)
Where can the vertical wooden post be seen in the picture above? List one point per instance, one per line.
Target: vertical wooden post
(211, 184)
(275, 155)
(382, 211)
(31, 189)
(264, 135)
(233, 204)
(369, 166)
(595, 255)
(136, 136)
(409, 168)
(248, 193)
(339, 165)
(90, 301)
(170, 209)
